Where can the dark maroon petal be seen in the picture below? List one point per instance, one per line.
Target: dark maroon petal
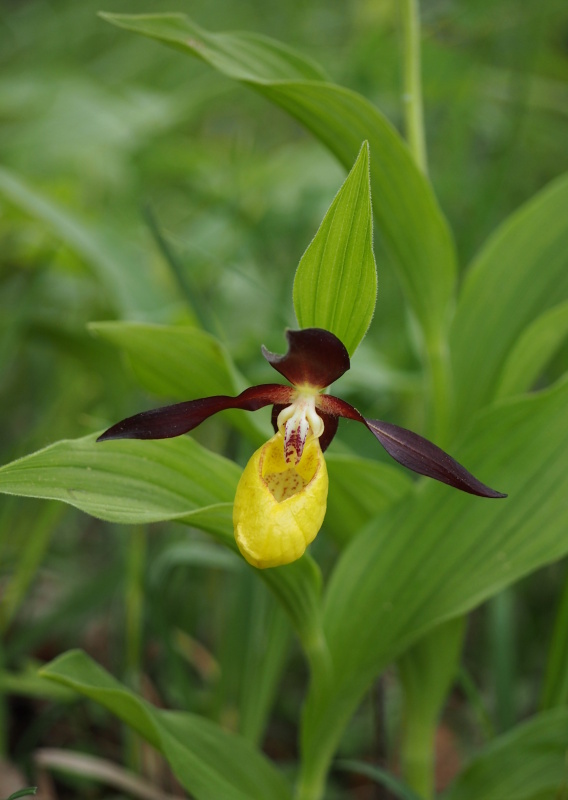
(276, 409)
(337, 408)
(315, 358)
(169, 421)
(412, 450)
(330, 429)
(420, 455)
(330, 425)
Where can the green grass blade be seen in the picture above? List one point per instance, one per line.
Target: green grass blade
(336, 281)
(208, 761)
(39, 530)
(526, 762)
(380, 776)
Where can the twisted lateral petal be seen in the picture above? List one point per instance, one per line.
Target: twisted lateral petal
(315, 358)
(413, 451)
(279, 508)
(169, 421)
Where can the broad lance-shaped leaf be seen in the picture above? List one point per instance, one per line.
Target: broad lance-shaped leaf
(160, 354)
(175, 361)
(359, 489)
(174, 479)
(533, 350)
(407, 213)
(527, 762)
(130, 482)
(336, 281)
(208, 761)
(438, 554)
(520, 272)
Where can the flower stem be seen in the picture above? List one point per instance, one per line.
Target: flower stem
(412, 95)
(311, 785)
(134, 602)
(313, 773)
(416, 757)
(439, 377)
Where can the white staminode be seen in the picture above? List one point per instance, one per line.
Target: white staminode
(296, 421)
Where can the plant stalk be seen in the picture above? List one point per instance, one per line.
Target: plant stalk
(134, 622)
(416, 756)
(412, 82)
(555, 688)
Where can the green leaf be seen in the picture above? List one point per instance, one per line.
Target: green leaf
(298, 587)
(427, 671)
(532, 351)
(172, 361)
(208, 761)
(27, 792)
(244, 56)
(526, 762)
(182, 363)
(189, 553)
(40, 524)
(406, 209)
(28, 683)
(438, 553)
(255, 644)
(521, 272)
(381, 776)
(130, 481)
(336, 281)
(555, 683)
(359, 490)
(131, 288)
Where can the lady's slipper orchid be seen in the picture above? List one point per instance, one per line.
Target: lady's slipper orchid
(281, 497)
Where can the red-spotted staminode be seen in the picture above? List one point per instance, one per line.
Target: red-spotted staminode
(281, 497)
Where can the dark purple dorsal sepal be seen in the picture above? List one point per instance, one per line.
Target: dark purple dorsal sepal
(170, 421)
(315, 358)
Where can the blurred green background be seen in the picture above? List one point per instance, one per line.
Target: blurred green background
(137, 184)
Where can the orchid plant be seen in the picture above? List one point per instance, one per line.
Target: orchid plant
(281, 497)
(413, 558)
